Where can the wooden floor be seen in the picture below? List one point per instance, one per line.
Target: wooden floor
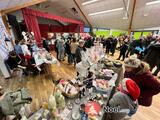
(41, 87)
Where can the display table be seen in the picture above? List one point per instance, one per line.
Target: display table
(67, 113)
(73, 104)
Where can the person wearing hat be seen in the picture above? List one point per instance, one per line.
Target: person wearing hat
(80, 48)
(139, 71)
(13, 60)
(125, 99)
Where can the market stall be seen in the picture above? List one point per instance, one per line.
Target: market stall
(87, 95)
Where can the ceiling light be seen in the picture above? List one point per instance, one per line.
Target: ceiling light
(106, 11)
(89, 2)
(153, 2)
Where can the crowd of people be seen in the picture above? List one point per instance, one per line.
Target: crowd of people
(140, 85)
(144, 48)
(24, 56)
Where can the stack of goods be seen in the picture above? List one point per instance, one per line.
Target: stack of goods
(111, 64)
(101, 85)
(68, 89)
(56, 104)
(52, 109)
(17, 102)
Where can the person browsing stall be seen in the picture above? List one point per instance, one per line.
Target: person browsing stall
(125, 99)
(79, 49)
(139, 71)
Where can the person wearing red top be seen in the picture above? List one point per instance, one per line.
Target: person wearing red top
(139, 71)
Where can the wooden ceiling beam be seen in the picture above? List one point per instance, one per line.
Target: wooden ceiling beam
(132, 15)
(85, 17)
(18, 7)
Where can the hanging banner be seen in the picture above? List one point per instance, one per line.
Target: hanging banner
(5, 44)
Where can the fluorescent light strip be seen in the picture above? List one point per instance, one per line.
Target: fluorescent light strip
(106, 11)
(89, 2)
(153, 2)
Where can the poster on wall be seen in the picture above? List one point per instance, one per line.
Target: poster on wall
(5, 47)
(3, 40)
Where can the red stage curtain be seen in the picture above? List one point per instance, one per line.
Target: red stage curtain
(32, 26)
(30, 17)
(44, 29)
(50, 16)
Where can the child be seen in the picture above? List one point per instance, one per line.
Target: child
(125, 99)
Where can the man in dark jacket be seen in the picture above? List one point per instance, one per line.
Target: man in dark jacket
(123, 51)
(80, 48)
(68, 51)
(153, 56)
(113, 45)
(45, 44)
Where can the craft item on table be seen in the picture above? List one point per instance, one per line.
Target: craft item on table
(74, 81)
(52, 103)
(105, 74)
(117, 64)
(70, 105)
(98, 96)
(100, 113)
(45, 105)
(102, 84)
(82, 69)
(25, 110)
(105, 96)
(80, 83)
(38, 116)
(82, 92)
(92, 108)
(84, 116)
(82, 108)
(22, 111)
(77, 101)
(24, 118)
(100, 102)
(60, 100)
(109, 64)
(65, 113)
(88, 83)
(76, 115)
(46, 114)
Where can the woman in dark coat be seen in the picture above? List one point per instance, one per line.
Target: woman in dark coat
(68, 51)
(140, 73)
(113, 45)
(153, 52)
(108, 45)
